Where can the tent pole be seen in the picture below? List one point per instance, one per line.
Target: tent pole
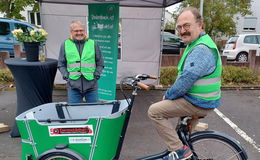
(161, 45)
(201, 7)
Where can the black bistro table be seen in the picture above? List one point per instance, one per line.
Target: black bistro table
(34, 84)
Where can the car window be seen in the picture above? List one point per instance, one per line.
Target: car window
(4, 28)
(25, 28)
(250, 39)
(168, 37)
(258, 38)
(232, 40)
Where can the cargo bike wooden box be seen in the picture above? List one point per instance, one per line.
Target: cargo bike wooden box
(77, 132)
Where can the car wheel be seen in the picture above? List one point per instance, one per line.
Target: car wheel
(242, 57)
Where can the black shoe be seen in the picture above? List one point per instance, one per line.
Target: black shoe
(181, 154)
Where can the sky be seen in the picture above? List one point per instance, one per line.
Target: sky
(172, 8)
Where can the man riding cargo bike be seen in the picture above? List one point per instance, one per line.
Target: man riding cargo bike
(96, 131)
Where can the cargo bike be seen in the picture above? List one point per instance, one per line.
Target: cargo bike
(96, 131)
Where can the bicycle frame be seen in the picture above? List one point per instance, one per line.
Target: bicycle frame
(127, 118)
(184, 132)
(151, 157)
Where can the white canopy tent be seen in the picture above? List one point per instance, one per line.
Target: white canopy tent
(123, 3)
(141, 22)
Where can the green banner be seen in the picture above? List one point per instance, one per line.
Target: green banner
(103, 28)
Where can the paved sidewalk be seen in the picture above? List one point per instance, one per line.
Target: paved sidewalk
(141, 138)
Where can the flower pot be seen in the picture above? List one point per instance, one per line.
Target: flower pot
(32, 51)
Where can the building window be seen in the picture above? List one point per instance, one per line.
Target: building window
(250, 23)
(35, 18)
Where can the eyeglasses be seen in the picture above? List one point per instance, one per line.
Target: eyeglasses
(186, 27)
(78, 30)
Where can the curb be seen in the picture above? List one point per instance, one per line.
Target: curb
(2, 87)
(160, 87)
(240, 88)
(163, 88)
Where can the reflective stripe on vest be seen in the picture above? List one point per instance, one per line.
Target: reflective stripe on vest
(79, 73)
(80, 64)
(208, 95)
(207, 81)
(84, 65)
(207, 87)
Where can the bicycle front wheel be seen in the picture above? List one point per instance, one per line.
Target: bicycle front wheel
(214, 145)
(60, 155)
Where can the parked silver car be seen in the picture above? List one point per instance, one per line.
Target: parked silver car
(237, 47)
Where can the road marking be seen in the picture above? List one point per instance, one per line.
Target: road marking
(238, 130)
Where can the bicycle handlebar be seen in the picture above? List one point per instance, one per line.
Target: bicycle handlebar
(144, 86)
(145, 76)
(135, 81)
(152, 77)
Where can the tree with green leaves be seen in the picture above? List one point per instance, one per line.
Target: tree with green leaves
(169, 25)
(219, 15)
(13, 8)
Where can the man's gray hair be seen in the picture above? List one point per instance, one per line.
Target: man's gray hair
(195, 13)
(76, 22)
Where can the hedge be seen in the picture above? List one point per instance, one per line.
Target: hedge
(231, 75)
(6, 75)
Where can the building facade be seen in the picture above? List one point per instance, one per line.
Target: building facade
(30, 17)
(250, 23)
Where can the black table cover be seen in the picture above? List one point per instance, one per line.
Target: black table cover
(34, 84)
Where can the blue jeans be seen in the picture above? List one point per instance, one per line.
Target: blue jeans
(74, 96)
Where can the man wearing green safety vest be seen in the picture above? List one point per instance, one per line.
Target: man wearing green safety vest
(196, 90)
(80, 63)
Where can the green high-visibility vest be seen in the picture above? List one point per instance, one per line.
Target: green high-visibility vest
(207, 87)
(84, 65)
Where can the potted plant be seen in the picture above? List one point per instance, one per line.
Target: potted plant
(31, 41)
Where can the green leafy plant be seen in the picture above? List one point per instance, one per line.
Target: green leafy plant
(36, 35)
(6, 76)
(14, 8)
(220, 16)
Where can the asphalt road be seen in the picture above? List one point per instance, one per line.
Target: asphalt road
(242, 107)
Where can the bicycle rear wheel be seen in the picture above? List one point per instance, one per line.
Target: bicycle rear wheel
(213, 145)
